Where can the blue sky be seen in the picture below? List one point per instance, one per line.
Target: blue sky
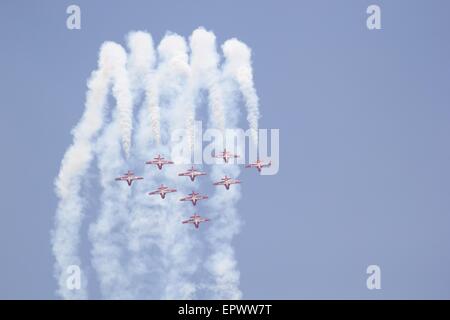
(364, 131)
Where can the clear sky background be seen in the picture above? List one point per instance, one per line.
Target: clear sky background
(364, 119)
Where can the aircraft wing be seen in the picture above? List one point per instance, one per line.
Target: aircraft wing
(154, 192)
(231, 155)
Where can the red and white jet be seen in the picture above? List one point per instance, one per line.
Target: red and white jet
(227, 182)
(159, 161)
(192, 173)
(226, 155)
(194, 197)
(196, 220)
(129, 177)
(162, 190)
(259, 165)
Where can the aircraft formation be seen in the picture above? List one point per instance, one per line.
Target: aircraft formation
(191, 173)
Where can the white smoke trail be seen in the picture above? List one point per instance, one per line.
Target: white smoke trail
(226, 222)
(152, 102)
(180, 247)
(221, 263)
(141, 59)
(175, 78)
(205, 61)
(122, 94)
(106, 252)
(69, 214)
(239, 67)
(172, 53)
(107, 234)
(155, 223)
(181, 244)
(142, 63)
(140, 249)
